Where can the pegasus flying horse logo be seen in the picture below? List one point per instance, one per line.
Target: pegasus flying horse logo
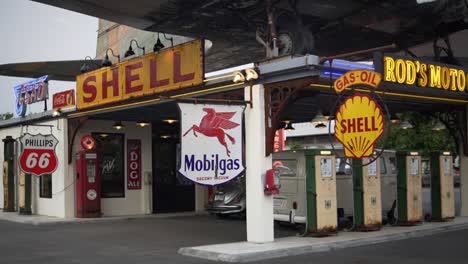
(213, 125)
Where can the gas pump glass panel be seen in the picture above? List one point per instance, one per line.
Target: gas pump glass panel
(414, 167)
(277, 178)
(326, 167)
(447, 166)
(372, 169)
(91, 170)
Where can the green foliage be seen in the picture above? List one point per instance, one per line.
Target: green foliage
(296, 146)
(419, 138)
(6, 116)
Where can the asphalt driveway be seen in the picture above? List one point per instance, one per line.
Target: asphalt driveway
(147, 240)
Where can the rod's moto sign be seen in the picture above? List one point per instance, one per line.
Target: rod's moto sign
(211, 143)
(38, 155)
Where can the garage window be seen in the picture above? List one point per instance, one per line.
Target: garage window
(111, 165)
(45, 186)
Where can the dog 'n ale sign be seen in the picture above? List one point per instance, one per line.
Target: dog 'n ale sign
(211, 143)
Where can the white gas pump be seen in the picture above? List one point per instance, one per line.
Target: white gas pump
(371, 196)
(442, 189)
(321, 192)
(409, 193)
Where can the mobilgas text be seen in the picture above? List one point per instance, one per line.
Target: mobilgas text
(210, 163)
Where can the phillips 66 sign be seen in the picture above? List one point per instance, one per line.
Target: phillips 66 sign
(38, 156)
(211, 143)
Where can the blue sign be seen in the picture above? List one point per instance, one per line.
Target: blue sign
(31, 92)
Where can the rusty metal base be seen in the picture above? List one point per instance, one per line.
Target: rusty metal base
(368, 228)
(25, 211)
(88, 214)
(445, 219)
(409, 223)
(324, 232)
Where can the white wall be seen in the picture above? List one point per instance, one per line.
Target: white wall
(135, 201)
(54, 206)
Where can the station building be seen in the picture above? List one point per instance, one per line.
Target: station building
(287, 88)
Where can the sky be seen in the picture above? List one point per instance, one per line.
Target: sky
(32, 32)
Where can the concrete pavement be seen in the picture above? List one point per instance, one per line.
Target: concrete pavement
(45, 220)
(156, 240)
(292, 246)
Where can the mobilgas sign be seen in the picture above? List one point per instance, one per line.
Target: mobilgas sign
(423, 74)
(31, 92)
(212, 143)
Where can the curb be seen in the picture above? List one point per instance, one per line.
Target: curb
(308, 249)
(58, 221)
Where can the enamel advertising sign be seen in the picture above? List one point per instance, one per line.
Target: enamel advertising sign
(133, 164)
(359, 124)
(38, 154)
(63, 99)
(154, 73)
(211, 143)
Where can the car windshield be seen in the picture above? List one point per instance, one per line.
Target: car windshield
(287, 167)
(343, 167)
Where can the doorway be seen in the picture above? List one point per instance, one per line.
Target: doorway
(171, 192)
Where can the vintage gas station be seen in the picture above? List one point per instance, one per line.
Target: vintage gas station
(151, 134)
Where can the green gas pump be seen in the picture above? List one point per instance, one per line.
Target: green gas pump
(321, 193)
(367, 195)
(442, 189)
(8, 174)
(409, 188)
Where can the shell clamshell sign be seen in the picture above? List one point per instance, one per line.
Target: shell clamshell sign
(359, 124)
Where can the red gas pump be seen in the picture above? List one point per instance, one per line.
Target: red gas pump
(272, 182)
(88, 188)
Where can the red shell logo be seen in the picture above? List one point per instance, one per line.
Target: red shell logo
(213, 124)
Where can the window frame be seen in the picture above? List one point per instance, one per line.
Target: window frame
(122, 180)
(42, 193)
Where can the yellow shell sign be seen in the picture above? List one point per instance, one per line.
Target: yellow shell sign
(359, 124)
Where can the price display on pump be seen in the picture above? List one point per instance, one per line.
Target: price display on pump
(38, 154)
